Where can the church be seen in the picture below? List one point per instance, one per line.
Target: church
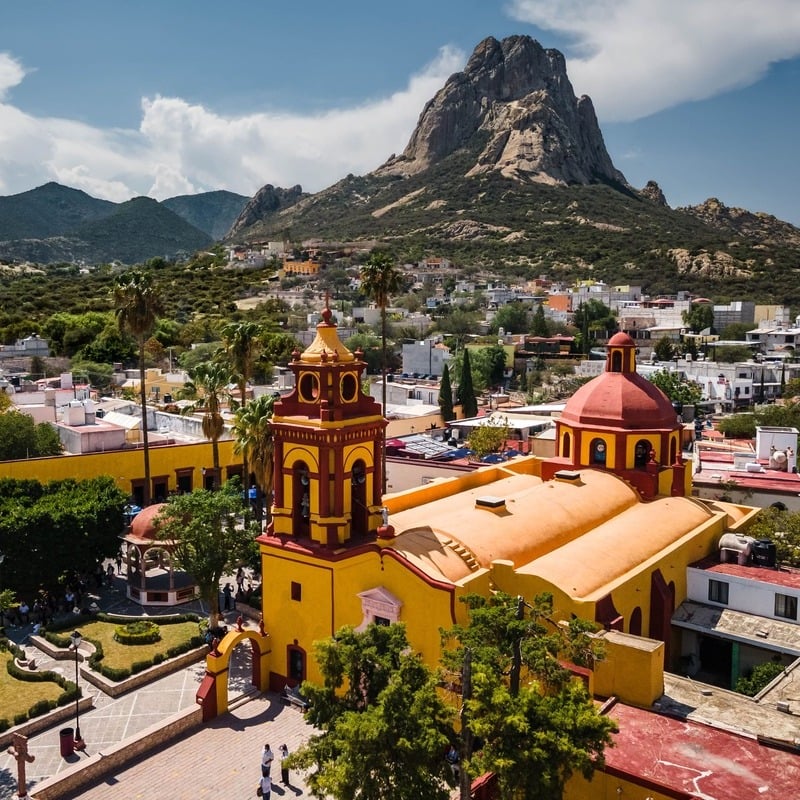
(607, 526)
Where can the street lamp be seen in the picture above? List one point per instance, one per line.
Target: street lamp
(76, 639)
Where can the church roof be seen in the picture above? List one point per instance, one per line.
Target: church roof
(326, 345)
(620, 397)
(580, 536)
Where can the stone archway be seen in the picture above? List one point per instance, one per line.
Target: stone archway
(212, 695)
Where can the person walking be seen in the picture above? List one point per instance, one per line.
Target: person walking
(267, 757)
(227, 594)
(283, 750)
(265, 785)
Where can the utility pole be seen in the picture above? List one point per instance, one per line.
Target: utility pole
(465, 784)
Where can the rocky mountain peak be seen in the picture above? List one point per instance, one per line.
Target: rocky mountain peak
(652, 192)
(514, 105)
(267, 201)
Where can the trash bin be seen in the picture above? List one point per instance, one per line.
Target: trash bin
(66, 740)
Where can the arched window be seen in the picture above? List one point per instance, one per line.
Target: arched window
(635, 626)
(598, 452)
(358, 499)
(673, 450)
(566, 445)
(641, 453)
(616, 361)
(301, 498)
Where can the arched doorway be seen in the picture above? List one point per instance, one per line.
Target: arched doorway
(641, 453)
(212, 695)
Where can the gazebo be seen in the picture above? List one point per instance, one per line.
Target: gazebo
(151, 577)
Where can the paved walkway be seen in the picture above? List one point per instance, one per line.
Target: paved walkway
(217, 750)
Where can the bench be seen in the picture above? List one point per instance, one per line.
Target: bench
(291, 695)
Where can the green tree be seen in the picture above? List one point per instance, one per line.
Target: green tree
(539, 325)
(385, 726)
(738, 426)
(512, 318)
(732, 354)
(137, 306)
(211, 381)
(535, 733)
(736, 331)
(241, 346)
(593, 318)
(48, 530)
(699, 317)
(487, 438)
(22, 437)
(379, 281)
(209, 537)
(466, 394)
(783, 528)
(664, 349)
(676, 388)
(760, 676)
(446, 396)
(253, 431)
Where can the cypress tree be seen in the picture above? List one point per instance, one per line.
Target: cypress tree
(539, 325)
(466, 394)
(446, 397)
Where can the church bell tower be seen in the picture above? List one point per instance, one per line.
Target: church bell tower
(328, 437)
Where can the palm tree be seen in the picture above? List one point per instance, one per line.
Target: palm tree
(379, 280)
(241, 345)
(253, 431)
(137, 307)
(212, 380)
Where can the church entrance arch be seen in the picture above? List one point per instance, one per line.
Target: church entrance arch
(212, 695)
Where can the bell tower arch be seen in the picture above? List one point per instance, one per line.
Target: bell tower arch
(328, 437)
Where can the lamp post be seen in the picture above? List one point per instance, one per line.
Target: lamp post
(2, 609)
(76, 639)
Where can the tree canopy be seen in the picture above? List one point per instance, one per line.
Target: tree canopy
(385, 726)
(22, 437)
(676, 388)
(446, 396)
(48, 530)
(209, 535)
(537, 725)
(466, 393)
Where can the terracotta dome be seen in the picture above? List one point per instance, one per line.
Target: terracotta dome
(621, 398)
(142, 527)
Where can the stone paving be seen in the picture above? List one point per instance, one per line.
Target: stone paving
(229, 746)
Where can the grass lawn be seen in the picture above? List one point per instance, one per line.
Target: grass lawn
(18, 696)
(121, 656)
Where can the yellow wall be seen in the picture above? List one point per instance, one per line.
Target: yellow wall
(329, 600)
(604, 787)
(632, 670)
(125, 465)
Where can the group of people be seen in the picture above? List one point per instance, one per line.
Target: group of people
(229, 598)
(267, 757)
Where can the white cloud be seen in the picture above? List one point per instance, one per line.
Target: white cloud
(11, 73)
(182, 148)
(637, 57)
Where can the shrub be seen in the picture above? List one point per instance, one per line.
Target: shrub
(142, 631)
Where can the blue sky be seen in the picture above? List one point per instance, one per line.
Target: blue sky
(167, 97)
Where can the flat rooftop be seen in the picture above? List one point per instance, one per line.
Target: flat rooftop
(681, 755)
(777, 576)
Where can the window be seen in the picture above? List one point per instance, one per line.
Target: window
(297, 591)
(785, 606)
(718, 592)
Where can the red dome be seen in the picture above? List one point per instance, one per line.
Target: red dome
(620, 400)
(142, 526)
(621, 339)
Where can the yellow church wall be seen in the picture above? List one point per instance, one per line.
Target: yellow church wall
(302, 621)
(632, 668)
(124, 466)
(586, 449)
(609, 787)
(318, 616)
(630, 450)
